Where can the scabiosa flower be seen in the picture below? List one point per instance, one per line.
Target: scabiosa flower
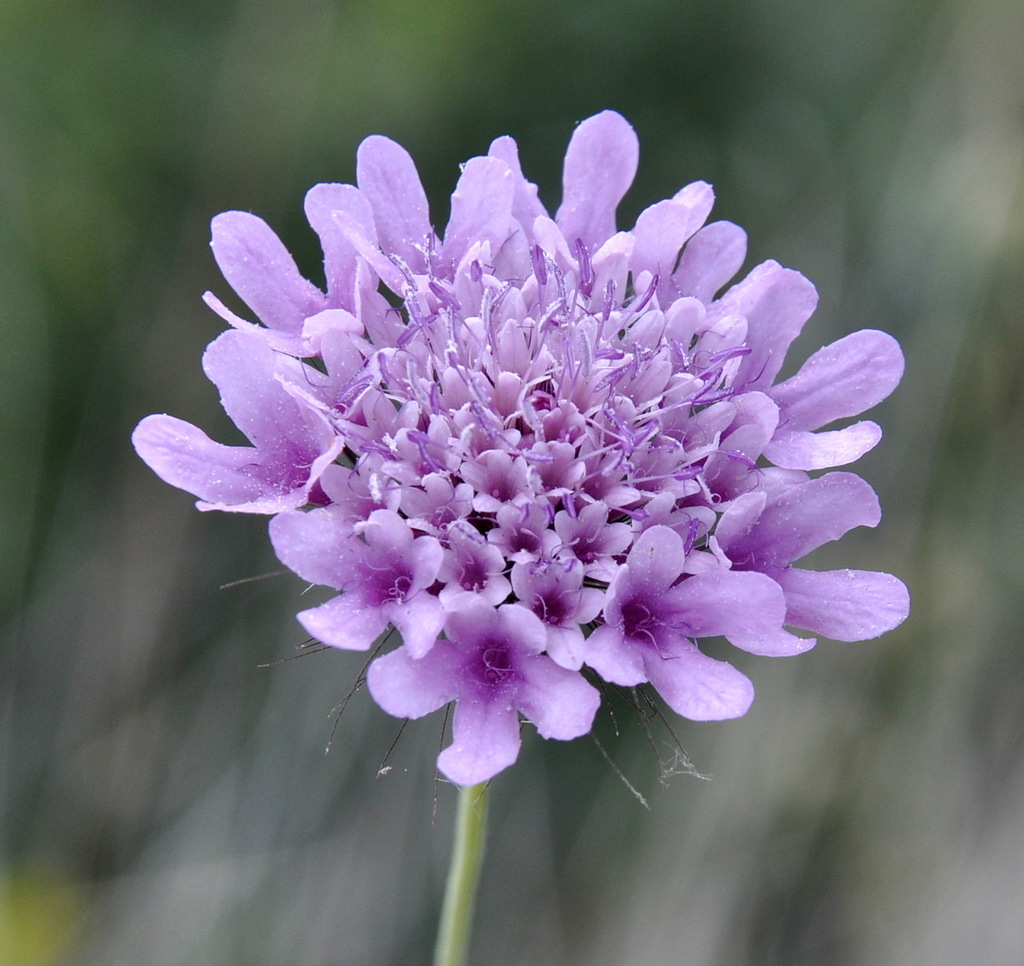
(546, 452)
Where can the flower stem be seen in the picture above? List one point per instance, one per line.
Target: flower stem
(460, 892)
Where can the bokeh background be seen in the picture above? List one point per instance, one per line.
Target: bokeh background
(165, 801)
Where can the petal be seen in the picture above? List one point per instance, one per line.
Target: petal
(346, 622)
(523, 627)
(481, 207)
(699, 687)
(548, 235)
(664, 227)
(316, 544)
(842, 379)
(558, 701)
(410, 688)
(754, 424)
(600, 164)
(355, 234)
(846, 605)
(485, 741)
(385, 530)
(477, 621)
(340, 258)
(776, 302)
(387, 175)
(259, 268)
(426, 557)
(611, 266)
(657, 559)
(275, 338)
(819, 451)
(739, 518)
(615, 660)
(419, 620)
(185, 457)
(566, 646)
(711, 257)
(245, 369)
(747, 608)
(805, 517)
(752, 428)
(525, 206)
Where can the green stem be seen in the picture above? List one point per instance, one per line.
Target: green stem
(460, 893)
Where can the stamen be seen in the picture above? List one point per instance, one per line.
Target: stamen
(609, 300)
(446, 297)
(540, 271)
(586, 270)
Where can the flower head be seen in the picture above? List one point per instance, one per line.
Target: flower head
(545, 451)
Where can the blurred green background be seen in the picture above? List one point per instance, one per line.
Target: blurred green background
(164, 801)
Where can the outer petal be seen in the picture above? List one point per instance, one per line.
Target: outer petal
(559, 702)
(387, 176)
(699, 687)
(600, 164)
(346, 622)
(525, 207)
(803, 518)
(776, 302)
(842, 379)
(485, 741)
(846, 605)
(355, 234)
(747, 608)
(315, 544)
(244, 368)
(410, 688)
(260, 269)
(340, 259)
(739, 518)
(481, 207)
(712, 257)
(185, 457)
(664, 227)
(818, 451)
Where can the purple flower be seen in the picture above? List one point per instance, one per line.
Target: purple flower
(553, 590)
(384, 576)
(543, 450)
(768, 535)
(492, 666)
(651, 619)
(292, 443)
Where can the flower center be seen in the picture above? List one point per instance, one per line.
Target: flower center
(638, 622)
(391, 587)
(400, 588)
(473, 576)
(552, 608)
(495, 665)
